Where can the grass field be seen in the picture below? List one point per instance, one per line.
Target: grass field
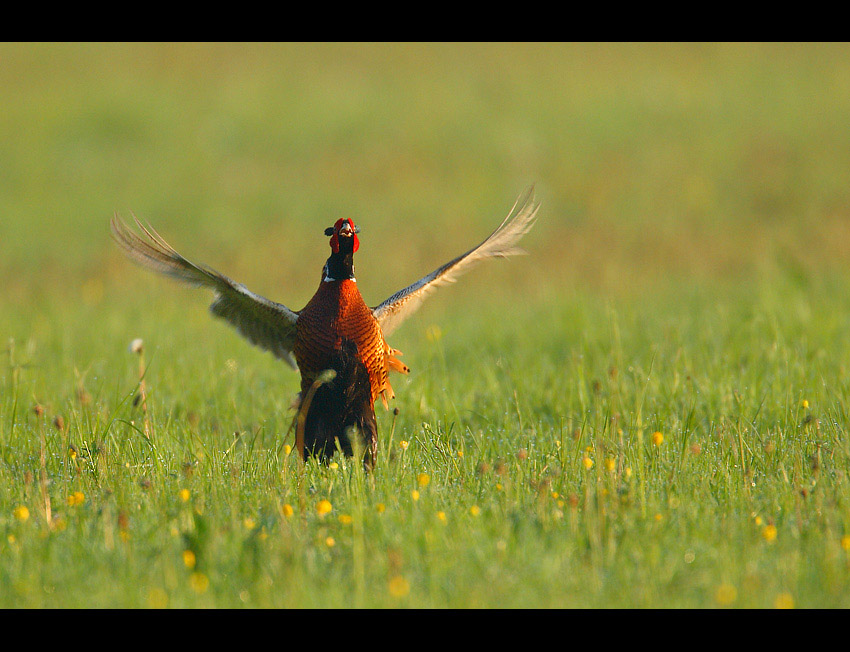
(650, 410)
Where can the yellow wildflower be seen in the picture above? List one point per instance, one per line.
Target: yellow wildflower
(199, 582)
(805, 404)
(414, 494)
(475, 510)
(189, 559)
(610, 464)
(657, 438)
(433, 333)
(784, 601)
(845, 542)
(323, 507)
(441, 516)
(287, 510)
(157, 599)
(249, 523)
(345, 519)
(726, 594)
(330, 542)
(587, 462)
(398, 586)
(21, 513)
(423, 479)
(769, 533)
(287, 449)
(185, 495)
(404, 444)
(381, 508)
(333, 465)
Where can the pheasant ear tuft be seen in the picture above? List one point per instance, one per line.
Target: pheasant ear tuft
(329, 230)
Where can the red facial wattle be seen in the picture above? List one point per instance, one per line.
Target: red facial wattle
(335, 236)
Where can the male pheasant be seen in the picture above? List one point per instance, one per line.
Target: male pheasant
(335, 331)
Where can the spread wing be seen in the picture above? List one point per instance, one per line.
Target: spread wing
(266, 324)
(500, 244)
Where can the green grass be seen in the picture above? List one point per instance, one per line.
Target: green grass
(687, 276)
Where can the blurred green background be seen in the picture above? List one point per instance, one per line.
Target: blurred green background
(702, 162)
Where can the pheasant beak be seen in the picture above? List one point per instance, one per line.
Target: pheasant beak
(346, 231)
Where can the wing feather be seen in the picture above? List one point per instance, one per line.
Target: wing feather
(499, 244)
(266, 324)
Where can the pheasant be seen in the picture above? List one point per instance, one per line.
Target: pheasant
(336, 341)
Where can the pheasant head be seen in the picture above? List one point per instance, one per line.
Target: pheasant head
(344, 236)
(344, 242)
